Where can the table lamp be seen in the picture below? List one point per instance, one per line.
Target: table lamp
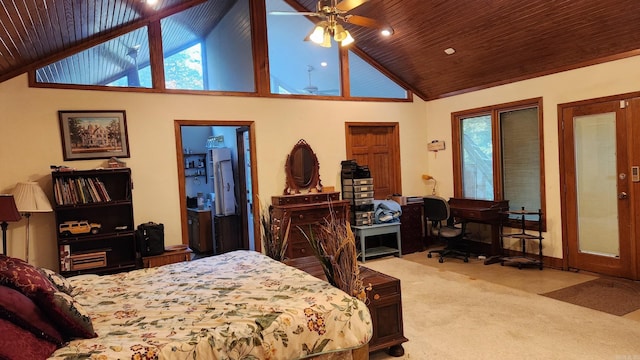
(428, 177)
(30, 199)
(8, 212)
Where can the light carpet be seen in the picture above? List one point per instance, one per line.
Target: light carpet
(451, 316)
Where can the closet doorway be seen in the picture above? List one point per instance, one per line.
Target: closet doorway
(239, 137)
(377, 145)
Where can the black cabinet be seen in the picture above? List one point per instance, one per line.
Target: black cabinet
(94, 221)
(412, 228)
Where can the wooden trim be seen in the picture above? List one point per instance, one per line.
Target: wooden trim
(259, 43)
(177, 124)
(156, 55)
(494, 111)
(345, 84)
(100, 38)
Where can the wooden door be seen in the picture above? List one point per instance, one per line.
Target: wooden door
(597, 226)
(377, 145)
(245, 200)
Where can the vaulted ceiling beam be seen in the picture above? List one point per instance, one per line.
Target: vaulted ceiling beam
(100, 38)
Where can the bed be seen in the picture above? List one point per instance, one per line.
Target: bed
(238, 305)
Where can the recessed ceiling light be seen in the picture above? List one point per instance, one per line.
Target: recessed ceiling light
(323, 64)
(449, 51)
(151, 2)
(386, 32)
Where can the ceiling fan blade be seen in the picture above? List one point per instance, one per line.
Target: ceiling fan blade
(346, 5)
(365, 21)
(308, 13)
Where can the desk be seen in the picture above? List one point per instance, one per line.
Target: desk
(484, 212)
(361, 232)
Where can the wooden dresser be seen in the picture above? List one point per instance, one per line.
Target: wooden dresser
(306, 213)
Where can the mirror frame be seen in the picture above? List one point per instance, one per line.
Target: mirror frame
(314, 185)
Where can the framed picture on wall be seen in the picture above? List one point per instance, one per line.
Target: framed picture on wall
(94, 134)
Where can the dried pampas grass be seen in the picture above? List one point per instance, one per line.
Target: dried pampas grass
(274, 234)
(334, 245)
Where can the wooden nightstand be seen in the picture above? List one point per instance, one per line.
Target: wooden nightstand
(168, 257)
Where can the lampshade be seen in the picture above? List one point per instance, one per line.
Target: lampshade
(347, 40)
(317, 36)
(324, 30)
(30, 198)
(340, 33)
(8, 210)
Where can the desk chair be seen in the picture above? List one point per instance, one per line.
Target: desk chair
(443, 226)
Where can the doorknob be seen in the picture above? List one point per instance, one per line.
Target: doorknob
(623, 195)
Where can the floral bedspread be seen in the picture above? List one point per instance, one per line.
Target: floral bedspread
(238, 305)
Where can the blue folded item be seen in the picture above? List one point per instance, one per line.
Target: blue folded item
(386, 211)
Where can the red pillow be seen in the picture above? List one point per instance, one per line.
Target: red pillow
(27, 279)
(20, 310)
(68, 315)
(17, 343)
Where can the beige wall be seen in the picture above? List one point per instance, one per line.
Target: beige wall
(612, 78)
(30, 142)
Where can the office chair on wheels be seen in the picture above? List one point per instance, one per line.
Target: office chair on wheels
(443, 226)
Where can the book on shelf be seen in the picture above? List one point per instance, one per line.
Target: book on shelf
(80, 191)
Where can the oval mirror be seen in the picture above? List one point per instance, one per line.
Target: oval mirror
(302, 170)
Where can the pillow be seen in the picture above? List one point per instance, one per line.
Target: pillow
(59, 281)
(27, 279)
(17, 343)
(68, 315)
(20, 310)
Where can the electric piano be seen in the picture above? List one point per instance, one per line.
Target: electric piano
(484, 212)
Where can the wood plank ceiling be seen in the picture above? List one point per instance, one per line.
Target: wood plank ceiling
(496, 41)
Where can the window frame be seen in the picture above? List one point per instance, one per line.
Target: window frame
(498, 189)
(257, 14)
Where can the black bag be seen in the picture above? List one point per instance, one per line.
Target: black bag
(150, 237)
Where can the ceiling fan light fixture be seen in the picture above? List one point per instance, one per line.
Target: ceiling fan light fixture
(326, 42)
(340, 33)
(318, 34)
(348, 40)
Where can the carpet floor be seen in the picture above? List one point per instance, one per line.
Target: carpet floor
(613, 296)
(447, 315)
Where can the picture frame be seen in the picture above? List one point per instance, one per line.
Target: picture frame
(93, 134)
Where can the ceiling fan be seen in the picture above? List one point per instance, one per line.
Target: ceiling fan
(332, 13)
